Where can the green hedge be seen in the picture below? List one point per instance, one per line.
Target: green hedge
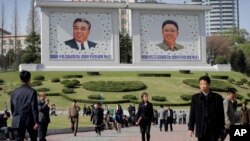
(216, 85)
(36, 83)
(53, 94)
(186, 97)
(225, 77)
(39, 78)
(72, 76)
(185, 71)
(93, 73)
(238, 83)
(248, 94)
(159, 98)
(248, 83)
(114, 86)
(1, 81)
(96, 97)
(154, 75)
(238, 96)
(231, 80)
(68, 91)
(43, 89)
(94, 101)
(72, 84)
(65, 81)
(130, 97)
(244, 80)
(54, 80)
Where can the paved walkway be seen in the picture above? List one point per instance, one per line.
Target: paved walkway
(128, 134)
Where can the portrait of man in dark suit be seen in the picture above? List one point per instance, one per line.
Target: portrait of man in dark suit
(81, 31)
(170, 32)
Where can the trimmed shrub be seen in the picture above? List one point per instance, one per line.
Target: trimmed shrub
(240, 97)
(95, 97)
(159, 98)
(39, 78)
(77, 82)
(185, 71)
(244, 80)
(248, 94)
(1, 81)
(231, 80)
(186, 97)
(43, 89)
(130, 97)
(71, 84)
(220, 77)
(54, 80)
(93, 73)
(9, 93)
(220, 60)
(36, 83)
(1, 88)
(65, 81)
(114, 86)
(248, 83)
(216, 85)
(53, 94)
(154, 75)
(72, 76)
(238, 83)
(68, 91)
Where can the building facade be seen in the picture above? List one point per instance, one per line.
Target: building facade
(9, 42)
(225, 15)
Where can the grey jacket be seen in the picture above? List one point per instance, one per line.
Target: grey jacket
(229, 112)
(24, 107)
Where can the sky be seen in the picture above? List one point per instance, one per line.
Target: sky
(25, 5)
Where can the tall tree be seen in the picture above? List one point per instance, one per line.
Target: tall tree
(33, 19)
(2, 25)
(15, 28)
(125, 49)
(238, 36)
(238, 61)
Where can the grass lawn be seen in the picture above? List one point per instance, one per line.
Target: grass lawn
(170, 87)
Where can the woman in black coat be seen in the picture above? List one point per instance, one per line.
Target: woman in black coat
(97, 118)
(144, 117)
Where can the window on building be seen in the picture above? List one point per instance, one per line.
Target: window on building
(11, 41)
(4, 42)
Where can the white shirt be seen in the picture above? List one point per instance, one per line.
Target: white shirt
(86, 45)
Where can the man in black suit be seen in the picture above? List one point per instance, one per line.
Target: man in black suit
(169, 121)
(81, 31)
(24, 109)
(44, 118)
(206, 113)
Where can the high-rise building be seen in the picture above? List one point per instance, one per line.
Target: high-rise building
(225, 15)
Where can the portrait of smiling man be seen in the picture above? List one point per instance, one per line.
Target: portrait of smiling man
(170, 32)
(81, 31)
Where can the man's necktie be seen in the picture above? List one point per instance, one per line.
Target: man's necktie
(82, 46)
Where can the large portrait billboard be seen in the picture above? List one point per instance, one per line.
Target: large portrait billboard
(80, 36)
(170, 37)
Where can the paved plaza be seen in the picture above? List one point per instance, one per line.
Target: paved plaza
(128, 134)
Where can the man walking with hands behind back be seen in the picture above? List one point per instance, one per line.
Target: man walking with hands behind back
(74, 116)
(24, 109)
(206, 113)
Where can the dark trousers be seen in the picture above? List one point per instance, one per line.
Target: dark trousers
(208, 137)
(162, 122)
(170, 123)
(42, 131)
(98, 129)
(5, 131)
(74, 124)
(22, 130)
(145, 131)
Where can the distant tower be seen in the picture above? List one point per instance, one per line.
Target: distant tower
(225, 15)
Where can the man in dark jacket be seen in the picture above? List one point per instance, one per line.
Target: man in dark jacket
(24, 109)
(206, 113)
(3, 123)
(169, 117)
(44, 118)
(97, 118)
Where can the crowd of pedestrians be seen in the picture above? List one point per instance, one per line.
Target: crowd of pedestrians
(210, 115)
